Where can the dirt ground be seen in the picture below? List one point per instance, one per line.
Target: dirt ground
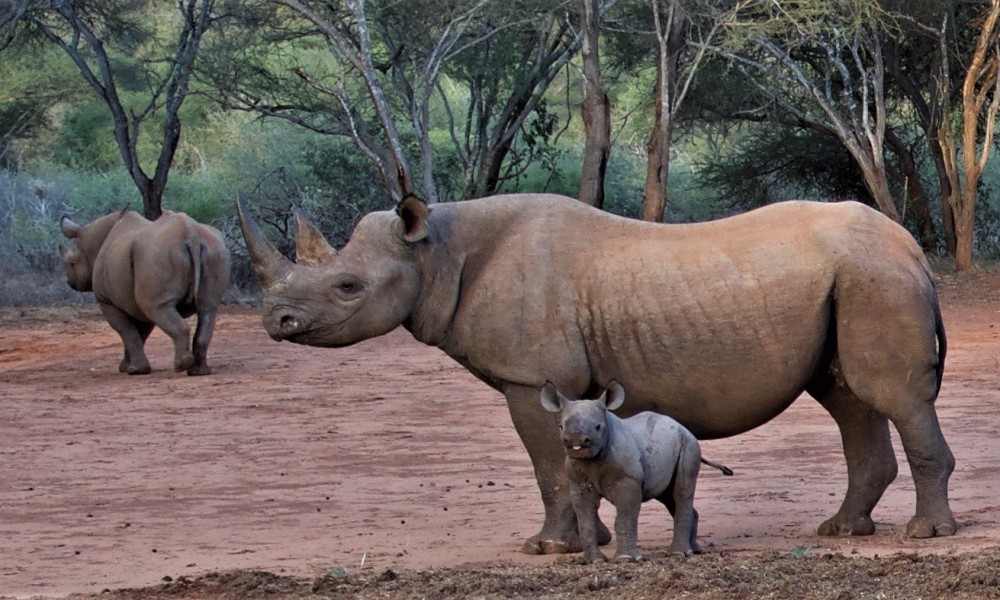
(386, 470)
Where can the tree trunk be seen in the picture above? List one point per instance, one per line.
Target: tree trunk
(596, 110)
(657, 166)
(670, 42)
(913, 189)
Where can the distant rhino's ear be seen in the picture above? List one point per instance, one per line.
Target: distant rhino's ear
(614, 395)
(311, 248)
(414, 212)
(69, 228)
(551, 398)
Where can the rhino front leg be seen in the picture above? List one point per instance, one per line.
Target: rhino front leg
(871, 462)
(627, 498)
(540, 435)
(133, 335)
(586, 501)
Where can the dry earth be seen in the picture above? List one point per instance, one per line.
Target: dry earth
(386, 470)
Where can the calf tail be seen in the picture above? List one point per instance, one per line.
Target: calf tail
(725, 470)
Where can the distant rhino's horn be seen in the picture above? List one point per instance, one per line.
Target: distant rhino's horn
(269, 264)
(68, 227)
(311, 248)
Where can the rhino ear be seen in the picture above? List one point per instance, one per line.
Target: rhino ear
(551, 398)
(69, 228)
(614, 395)
(414, 212)
(311, 248)
(62, 252)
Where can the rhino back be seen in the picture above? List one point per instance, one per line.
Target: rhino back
(661, 441)
(719, 324)
(143, 263)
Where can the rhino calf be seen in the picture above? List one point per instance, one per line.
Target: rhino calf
(145, 273)
(627, 461)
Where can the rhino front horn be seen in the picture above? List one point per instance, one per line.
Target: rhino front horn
(269, 264)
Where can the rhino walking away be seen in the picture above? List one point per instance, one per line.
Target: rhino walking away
(721, 325)
(627, 461)
(145, 273)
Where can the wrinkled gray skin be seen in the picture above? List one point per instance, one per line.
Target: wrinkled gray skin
(145, 273)
(720, 325)
(626, 461)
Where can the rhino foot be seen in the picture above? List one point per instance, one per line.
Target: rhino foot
(199, 370)
(925, 527)
(184, 363)
(139, 369)
(633, 557)
(548, 542)
(839, 525)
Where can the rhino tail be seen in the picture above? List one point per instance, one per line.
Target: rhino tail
(725, 470)
(193, 243)
(942, 345)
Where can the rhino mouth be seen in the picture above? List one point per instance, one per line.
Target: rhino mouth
(579, 451)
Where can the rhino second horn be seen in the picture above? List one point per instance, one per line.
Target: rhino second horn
(311, 248)
(68, 227)
(269, 264)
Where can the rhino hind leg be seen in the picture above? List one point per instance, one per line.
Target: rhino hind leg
(202, 338)
(679, 500)
(540, 436)
(890, 367)
(871, 461)
(133, 335)
(167, 318)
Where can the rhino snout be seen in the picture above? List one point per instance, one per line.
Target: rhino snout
(282, 324)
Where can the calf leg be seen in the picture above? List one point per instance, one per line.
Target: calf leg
(134, 361)
(539, 433)
(627, 498)
(679, 500)
(585, 503)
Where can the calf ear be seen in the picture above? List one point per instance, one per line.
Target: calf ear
(414, 212)
(614, 395)
(551, 398)
(69, 228)
(62, 252)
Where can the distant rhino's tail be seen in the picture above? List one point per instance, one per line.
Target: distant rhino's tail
(193, 243)
(725, 470)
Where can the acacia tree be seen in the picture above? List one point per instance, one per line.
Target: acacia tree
(822, 62)
(386, 70)
(980, 101)
(596, 108)
(85, 31)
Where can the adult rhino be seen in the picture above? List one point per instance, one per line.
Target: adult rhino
(720, 325)
(145, 273)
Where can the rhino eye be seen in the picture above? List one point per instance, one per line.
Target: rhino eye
(348, 286)
(598, 426)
